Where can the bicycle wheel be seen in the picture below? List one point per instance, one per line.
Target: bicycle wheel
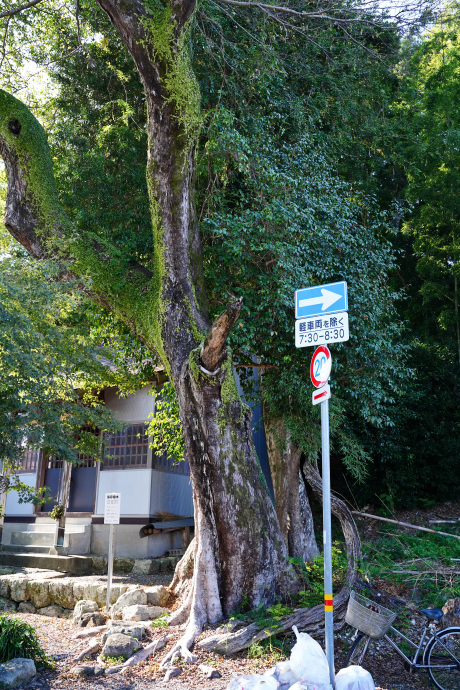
(358, 650)
(442, 656)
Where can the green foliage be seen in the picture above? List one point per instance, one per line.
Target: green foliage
(266, 617)
(58, 512)
(161, 622)
(165, 427)
(313, 576)
(51, 367)
(18, 639)
(114, 660)
(425, 555)
(274, 649)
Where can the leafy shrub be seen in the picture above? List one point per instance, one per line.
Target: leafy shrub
(18, 639)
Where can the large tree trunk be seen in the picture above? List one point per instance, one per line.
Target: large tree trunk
(239, 550)
(291, 500)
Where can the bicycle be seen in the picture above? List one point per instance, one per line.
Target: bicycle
(438, 650)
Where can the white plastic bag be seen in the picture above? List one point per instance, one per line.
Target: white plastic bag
(282, 672)
(306, 685)
(354, 678)
(308, 661)
(254, 682)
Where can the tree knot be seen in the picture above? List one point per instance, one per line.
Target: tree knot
(14, 126)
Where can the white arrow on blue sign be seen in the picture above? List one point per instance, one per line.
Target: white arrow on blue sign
(321, 299)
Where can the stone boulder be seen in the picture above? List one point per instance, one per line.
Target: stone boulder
(124, 628)
(451, 610)
(16, 672)
(82, 607)
(85, 591)
(139, 612)
(117, 645)
(157, 596)
(134, 595)
(7, 605)
(27, 607)
(123, 565)
(53, 611)
(86, 671)
(99, 563)
(18, 588)
(115, 592)
(38, 591)
(61, 593)
(4, 587)
(93, 620)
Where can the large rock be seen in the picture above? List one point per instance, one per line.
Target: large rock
(117, 645)
(123, 565)
(61, 593)
(451, 610)
(53, 611)
(93, 620)
(26, 607)
(85, 590)
(7, 604)
(139, 612)
(16, 672)
(157, 596)
(38, 591)
(134, 595)
(115, 592)
(124, 628)
(99, 563)
(82, 607)
(18, 588)
(4, 587)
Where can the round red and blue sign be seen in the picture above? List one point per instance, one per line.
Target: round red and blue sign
(320, 367)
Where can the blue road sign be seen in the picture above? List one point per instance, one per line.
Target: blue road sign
(321, 299)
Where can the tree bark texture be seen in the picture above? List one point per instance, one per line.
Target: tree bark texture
(311, 620)
(239, 550)
(291, 500)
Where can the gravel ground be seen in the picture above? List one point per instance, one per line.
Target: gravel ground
(56, 637)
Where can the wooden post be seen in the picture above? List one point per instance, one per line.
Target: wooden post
(63, 500)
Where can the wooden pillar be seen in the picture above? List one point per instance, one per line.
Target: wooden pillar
(64, 490)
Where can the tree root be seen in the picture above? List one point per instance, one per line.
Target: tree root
(202, 604)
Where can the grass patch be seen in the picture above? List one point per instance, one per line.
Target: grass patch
(419, 563)
(18, 639)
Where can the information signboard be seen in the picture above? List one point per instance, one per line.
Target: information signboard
(320, 330)
(112, 509)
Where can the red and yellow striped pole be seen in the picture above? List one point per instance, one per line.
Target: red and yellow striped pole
(328, 602)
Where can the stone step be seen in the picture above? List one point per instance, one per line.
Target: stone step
(78, 565)
(32, 538)
(29, 548)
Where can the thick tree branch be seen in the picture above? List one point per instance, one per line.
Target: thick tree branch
(340, 510)
(17, 10)
(213, 348)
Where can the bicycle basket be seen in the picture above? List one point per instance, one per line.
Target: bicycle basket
(368, 617)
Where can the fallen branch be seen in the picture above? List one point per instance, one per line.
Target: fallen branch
(405, 524)
(93, 647)
(310, 620)
(444, 571)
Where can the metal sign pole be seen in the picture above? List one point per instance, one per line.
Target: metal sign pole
(327, 538)
(110, 567)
